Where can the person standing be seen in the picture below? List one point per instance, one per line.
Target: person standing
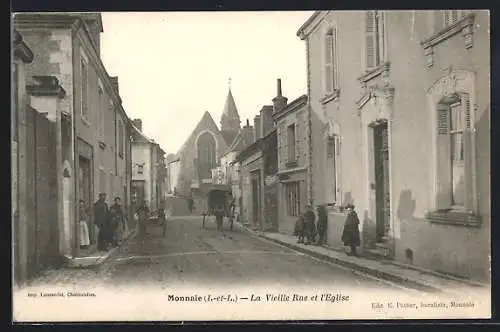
(83, 224)
(309, 224)
(350, 234)
(118, 225)
(101, 214)
(322, 224)
(143, 214)
(219, 216)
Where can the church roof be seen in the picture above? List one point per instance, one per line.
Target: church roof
(230, 109)
(244, 138)
(229, 136)
(206, 122)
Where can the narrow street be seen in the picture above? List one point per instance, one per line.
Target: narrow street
(189, 254)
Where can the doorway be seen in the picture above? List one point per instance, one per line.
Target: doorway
(382, 185)
(84, 184)
(255, 176)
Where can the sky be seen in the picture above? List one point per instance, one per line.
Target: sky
(174, 66)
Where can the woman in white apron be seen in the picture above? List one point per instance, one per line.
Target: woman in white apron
(83, 225)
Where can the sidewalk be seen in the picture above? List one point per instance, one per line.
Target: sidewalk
(405, 275)
(99, 257)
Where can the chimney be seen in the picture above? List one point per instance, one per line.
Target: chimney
(256, 128)
(137, 123)
(279, 102)
(266, 120)
(114, 82)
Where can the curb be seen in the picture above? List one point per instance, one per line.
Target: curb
(72, 264)
(358, 267)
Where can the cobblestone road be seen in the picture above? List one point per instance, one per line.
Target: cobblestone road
(189, 254)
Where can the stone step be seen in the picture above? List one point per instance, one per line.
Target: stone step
(378, 253)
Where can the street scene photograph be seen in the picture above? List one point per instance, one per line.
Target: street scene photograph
(258, 165)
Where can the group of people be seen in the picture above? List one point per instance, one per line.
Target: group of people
(110, 222)
(306, 229)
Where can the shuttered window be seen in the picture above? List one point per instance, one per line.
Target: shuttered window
(121, 138)
(333, 169)
(292, 194)
(101, 111)
(15, 102)
(291, 143)
(450, 17)
(374, 34)
(84, 90)
(454, 153)
(330, 61)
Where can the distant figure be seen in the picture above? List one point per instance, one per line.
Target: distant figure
(84, 228)
(219, 216)
(143, 214)
(309, 225)
(190, 205)
(350, 234)
(299, 229)
(322, 224)
(118, 223)
(101, 215)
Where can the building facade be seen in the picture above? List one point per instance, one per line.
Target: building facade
(406, 110)
(95, 130)
(148, 169)
(292, 124)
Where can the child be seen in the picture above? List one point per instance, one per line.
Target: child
(299, 229)
(350, 234)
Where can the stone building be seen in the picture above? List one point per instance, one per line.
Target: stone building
(403, 97)
(292, 130)
(95, 131)
(148, 169)
(258, 165)
(202, 152)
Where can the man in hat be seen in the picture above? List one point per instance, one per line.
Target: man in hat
(101, 215)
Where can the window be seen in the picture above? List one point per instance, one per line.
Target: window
(450, 17)
(15, 102)
(121, 138)
(206, 155)
(453, 152)
(292, 198)
(329, 61)
(84, 90)
(374, 30)
(101, 111)
(291, 143)
(332, 169)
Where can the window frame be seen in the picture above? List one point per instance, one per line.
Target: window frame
(84, 89)
(379, 38)
(330, 67)
(292, 204)
(458, 82)
(291, 154)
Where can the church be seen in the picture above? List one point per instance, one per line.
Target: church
(202, 151)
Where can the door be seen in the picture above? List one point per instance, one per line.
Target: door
(382, 196)
(84, 183)
(138, 191)
(256, 197)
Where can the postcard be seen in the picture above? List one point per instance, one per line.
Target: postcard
(219, 166)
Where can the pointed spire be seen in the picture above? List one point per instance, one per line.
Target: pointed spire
(230, 120)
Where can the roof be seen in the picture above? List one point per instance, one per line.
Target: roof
(142, 136)
(244, 138)
(294, 105)
(306, 28)
(205, 122)
(229, 136)
(44, 86)
(254, 147)
(230, 109)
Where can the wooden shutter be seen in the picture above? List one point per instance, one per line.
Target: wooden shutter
(380, 36)
(282, 143)
(371, 36)
(468, 146)
(444, 181)
(299, 134)
(329, 84)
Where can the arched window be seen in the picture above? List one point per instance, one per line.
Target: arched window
(206, 155)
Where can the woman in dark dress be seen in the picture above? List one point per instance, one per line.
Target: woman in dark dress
(350, 234)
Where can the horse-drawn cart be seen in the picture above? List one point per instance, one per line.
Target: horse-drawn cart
(219, 204)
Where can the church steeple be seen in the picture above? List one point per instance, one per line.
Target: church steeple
(230, 119)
